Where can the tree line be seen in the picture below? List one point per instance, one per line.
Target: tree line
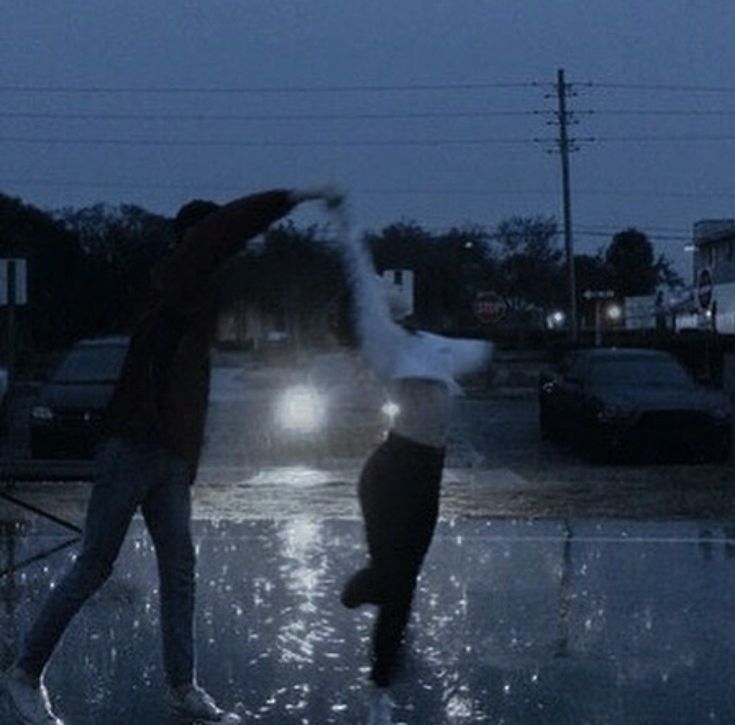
(87, 268)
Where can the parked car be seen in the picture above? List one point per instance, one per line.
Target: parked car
(634, 400)
(65, 419)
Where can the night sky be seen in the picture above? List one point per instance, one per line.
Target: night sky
(425, 111)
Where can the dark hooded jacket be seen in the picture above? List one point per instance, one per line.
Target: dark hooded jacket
(164, 384)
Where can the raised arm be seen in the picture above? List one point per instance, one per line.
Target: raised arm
(209, 243)
(380, 338)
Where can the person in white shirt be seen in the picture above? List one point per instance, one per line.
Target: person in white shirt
(399, 484)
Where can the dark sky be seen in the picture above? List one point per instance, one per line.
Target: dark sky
(438, 127)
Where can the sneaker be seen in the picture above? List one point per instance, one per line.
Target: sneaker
(380, 708)
(191, 701)
(29, 702)
(361, 588)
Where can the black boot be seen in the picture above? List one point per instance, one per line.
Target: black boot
(361, 588)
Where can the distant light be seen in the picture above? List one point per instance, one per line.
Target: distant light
(301, 409)
(614, 312)
(555, 320)
(689, 248)
(391, 410)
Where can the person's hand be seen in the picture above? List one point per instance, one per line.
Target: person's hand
(334, 199)
(330, 195)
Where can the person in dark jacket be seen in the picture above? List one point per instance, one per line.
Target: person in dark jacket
(153, 437)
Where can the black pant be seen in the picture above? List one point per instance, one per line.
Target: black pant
(399, 496)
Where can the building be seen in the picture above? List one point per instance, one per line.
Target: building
(399, 289)
(713, 278)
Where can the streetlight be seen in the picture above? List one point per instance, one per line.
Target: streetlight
(614, 312)
(556, 320)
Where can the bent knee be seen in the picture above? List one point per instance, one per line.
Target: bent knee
(90, 573)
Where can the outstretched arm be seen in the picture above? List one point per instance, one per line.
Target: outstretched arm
(380, 338)
(208, 244)
(469, 356)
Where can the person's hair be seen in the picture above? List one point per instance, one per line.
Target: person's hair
(192, 213)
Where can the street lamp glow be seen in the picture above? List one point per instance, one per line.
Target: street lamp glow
(555, 320)
(390, 410)
(614, 313)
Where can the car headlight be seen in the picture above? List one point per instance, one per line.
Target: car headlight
(617, 413)
(42, 412)
(301, 409)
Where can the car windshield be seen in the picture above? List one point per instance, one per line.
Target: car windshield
(91, 364)
(639, 372)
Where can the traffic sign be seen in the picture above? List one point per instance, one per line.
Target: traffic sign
(489, 307)
(16, 268)
(704, 288)
(598, 294)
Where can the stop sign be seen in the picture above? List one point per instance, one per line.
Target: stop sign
(488, 307)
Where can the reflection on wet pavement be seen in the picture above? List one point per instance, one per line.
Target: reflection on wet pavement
(515, 622)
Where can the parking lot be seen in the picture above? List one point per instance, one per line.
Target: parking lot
(556, 589)
(496, 458)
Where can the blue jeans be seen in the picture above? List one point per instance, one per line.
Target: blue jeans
(130, 474)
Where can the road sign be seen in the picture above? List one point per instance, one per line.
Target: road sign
(598, 294)
(19, 267)
(489, 307)
(704, 288)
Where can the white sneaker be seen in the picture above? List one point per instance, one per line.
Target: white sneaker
(191, 701)
(29, 702)
(380, 708)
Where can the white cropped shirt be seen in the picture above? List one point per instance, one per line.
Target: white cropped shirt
(393, 352)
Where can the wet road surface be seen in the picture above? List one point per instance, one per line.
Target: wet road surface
(554, 592)
(584, 621)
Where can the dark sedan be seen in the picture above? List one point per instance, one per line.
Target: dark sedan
(633, 401)
(65, 420)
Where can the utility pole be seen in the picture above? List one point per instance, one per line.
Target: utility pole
(564, 148)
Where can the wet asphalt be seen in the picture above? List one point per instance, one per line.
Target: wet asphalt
(554, 592)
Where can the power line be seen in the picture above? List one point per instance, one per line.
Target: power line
(378, 88)
(659, 87)
(143, 184)
(428, 115)
(263, 144)
(367, 88)
(661, 112)
(133, 184)
(639, 139)
(86, 116)
(259, 117)
(671, 194)
(660, 139)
